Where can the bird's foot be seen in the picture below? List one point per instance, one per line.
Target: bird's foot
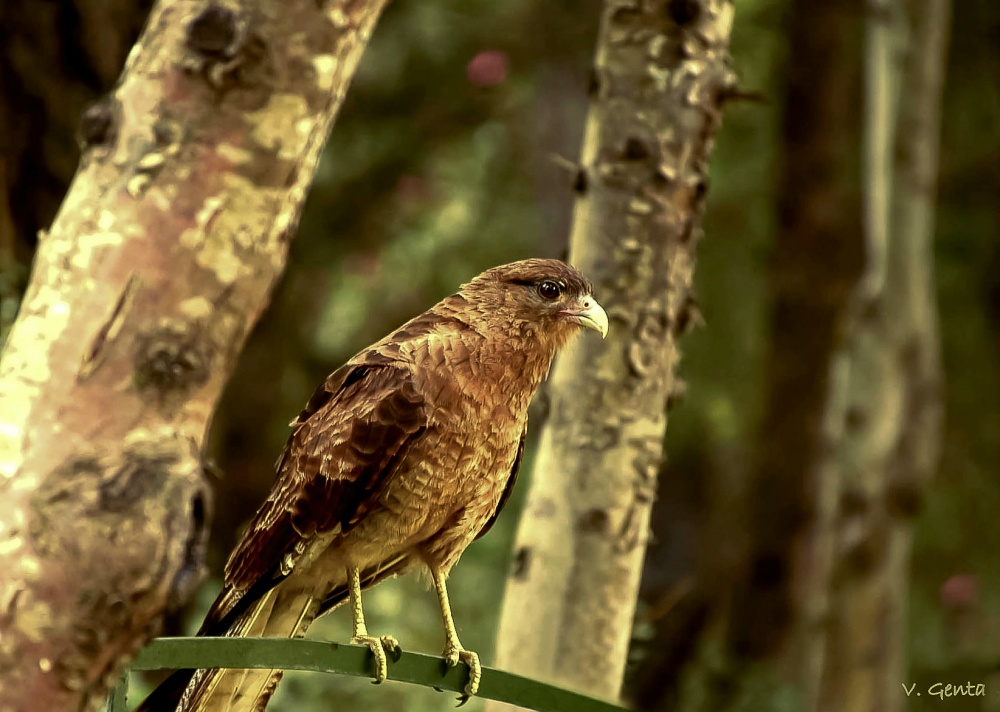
(452, 656)
(380, 645)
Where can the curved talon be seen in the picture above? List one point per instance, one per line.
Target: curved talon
(391, 646)
(379, 647)
(475, 671)
(452, 656)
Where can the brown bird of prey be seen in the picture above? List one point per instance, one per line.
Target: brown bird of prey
(404, 456)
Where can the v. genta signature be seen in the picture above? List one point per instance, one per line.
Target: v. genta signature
(943, 690)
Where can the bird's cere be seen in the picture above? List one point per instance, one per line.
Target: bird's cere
(589, 314)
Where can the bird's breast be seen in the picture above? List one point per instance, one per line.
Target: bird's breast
(449, 483)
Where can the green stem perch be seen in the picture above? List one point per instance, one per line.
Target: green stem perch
(356, 660)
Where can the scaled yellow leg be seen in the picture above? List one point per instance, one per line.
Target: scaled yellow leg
(453, 650)
(379, 645)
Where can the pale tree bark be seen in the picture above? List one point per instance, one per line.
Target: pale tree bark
(158, 263)
(860, 356)
(891, 414)
(661, 76)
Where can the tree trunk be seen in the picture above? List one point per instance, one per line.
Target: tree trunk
(817, 258)
(891, 430)
(661, 76)
(158, 263)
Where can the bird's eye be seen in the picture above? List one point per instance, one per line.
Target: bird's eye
(549, 289)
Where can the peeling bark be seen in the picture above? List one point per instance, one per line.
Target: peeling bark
(661, 76)
(158, 263)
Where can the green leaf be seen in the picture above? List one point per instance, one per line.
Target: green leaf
(118, 697)
(356, 660)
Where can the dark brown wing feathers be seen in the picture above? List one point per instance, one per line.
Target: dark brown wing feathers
(391, 418)
(337, 456)
(345, 443)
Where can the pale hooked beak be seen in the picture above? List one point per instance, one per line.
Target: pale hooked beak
(589, 314)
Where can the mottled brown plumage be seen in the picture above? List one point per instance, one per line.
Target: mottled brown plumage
(404, 456)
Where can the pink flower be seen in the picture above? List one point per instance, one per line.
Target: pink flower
(487, 69)
(960, 591)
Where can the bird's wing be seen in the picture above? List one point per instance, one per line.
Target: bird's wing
(344, 446)
(508, 488)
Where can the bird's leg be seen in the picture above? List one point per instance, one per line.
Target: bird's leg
(379, 645)
(453, 650)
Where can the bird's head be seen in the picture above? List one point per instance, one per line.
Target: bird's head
(541, 298)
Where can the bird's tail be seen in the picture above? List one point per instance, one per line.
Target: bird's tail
(284, 611)
(279, 613)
